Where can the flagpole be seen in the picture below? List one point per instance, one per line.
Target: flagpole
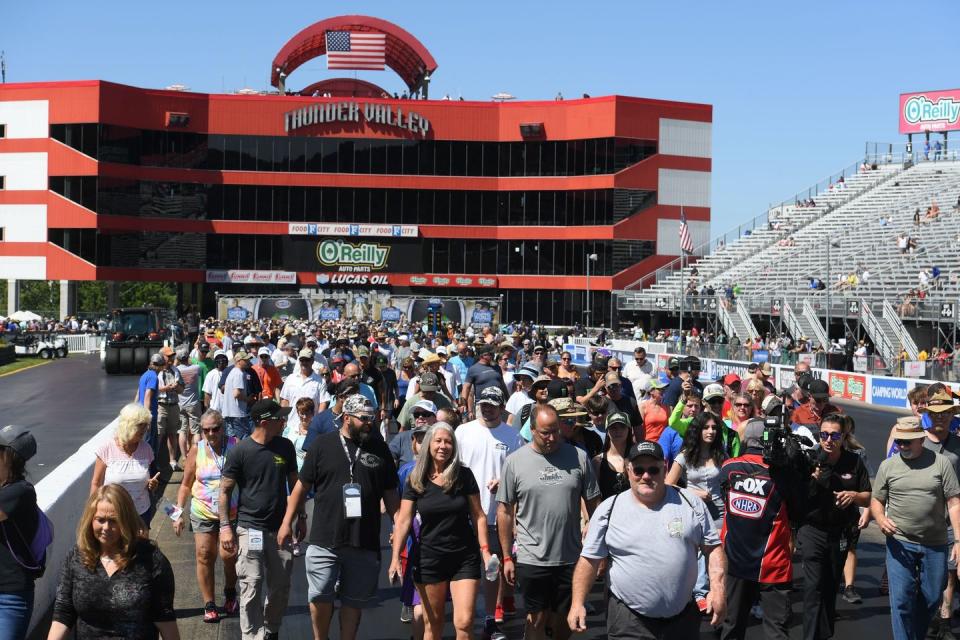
(683, 291)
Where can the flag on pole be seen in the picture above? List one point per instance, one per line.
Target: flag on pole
(686, 242)
(356, 50)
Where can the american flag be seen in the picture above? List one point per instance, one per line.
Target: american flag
(686, 243)
(356, 50)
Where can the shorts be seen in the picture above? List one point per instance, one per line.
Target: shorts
(852, 536)
(190, 419)
(168, 419)
(431, 567)
(545, 588)
(358, 571)
(207, 526)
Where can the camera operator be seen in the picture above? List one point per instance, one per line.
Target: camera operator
(761, 501)
(687, 378)
(839, 484)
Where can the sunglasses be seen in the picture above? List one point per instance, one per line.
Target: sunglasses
(740, 405)
(614, 368)
(652, 471)
(565, 359)
(211, 430)
(569, 421)
(833, 436)
(364, 418)
(905, 443)
(423, 415)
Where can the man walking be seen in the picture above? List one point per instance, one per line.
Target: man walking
(350, 471)
(237, 396)
(651, 575)
(539, 496)
(910, 493)
(264, 469)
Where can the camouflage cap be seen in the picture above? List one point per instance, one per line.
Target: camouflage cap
(568, 407)
(357, 405)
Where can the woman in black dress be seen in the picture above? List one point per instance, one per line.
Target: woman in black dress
(453, 533)
(115, 584)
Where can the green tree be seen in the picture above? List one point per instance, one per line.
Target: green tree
(148, 294)
(92, 297)
(41, 297)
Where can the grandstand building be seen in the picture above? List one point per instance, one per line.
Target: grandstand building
(343, 186)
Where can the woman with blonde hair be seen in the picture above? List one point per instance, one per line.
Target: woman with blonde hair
(126, 459)
(114, 584)
(453, 533)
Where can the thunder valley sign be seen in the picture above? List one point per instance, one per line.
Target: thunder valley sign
(382, 114)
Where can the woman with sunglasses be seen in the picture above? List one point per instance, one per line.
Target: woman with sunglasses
(654, 413)
(611, 463)
(839, 485)
(567, 368)
(201, 480)
(743, 409)
(697, 467)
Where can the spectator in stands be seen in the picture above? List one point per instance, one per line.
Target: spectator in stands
(916, 217)
(937, 147)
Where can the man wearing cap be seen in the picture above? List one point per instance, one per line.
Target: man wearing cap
(911, 491)
(651, 576)
(484, 445)
(588, 386)
(268, 374)
(429, 390)
(238, 395)
(539, 497)
(761, 502)
(423, 413)
(304, 383)
(522, 381)
(263, 467)
(573, 426)
(169, 386)
(148, 396)
(484, 373)
(350, 472)
(818, 406)
(763, 374)
(202, 356)
(619, 401)
(685, 376)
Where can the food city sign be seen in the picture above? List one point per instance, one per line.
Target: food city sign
(249, 276)
(381, 114)
(930, 111)
(363, 256)
(339, 229)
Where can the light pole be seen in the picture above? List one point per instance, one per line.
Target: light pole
(590, 257)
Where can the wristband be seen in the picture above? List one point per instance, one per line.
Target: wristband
(507, 559)
(225, 525)
(484, 547)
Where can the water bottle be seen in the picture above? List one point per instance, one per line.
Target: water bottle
(493, 568)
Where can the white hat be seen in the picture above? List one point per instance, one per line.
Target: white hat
(220, 352)
(263, 351)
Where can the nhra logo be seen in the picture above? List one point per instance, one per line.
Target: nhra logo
(746, 506)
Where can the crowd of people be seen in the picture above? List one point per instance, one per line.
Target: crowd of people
(498, 468)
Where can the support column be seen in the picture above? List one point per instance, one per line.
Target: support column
(113, 294)
(68, 298)
(13, 296)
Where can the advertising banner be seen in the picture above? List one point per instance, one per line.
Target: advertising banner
(248, 276)
(914, 368)
(930, 111)
(889, 392)
(305, 253)
(848, 386)
(365, 306)
(356, 230)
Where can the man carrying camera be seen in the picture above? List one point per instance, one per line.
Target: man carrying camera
(838, 485)
(761, 500)
(688, 372)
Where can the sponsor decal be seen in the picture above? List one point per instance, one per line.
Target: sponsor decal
(930, 111)
(354, 230)
(418, 280)
(353, 279)
(440, 281)
(487, 282)
(752, 485)
(282, 304)
(848, 386)
(464, 282)
(337, 253)
(245, 276)
(746, 506)
(889, 392)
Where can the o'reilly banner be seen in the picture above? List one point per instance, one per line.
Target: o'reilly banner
(303, 253)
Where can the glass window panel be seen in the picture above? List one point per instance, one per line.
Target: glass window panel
(314, 155)
(489, 257)
(297, 201)
(427, 157)
(265, 203)
(281, 153)
(395, 151)
(330, 156)
(232, 153)
(411, 157)
(458, 208)
(313, 204)
(281, 208)
(362, 152)
(298, 153)
(473, 256)
(561, 158)
(491, 159)
(361, 199)
(345, 157)
(532, 150)
(264, 153)
(548, 161)
(457, 256)
(378, 157)
(345, 205)
(248, 155)
(442, 155)
(516, 159)
(458, 163)
(410, 206)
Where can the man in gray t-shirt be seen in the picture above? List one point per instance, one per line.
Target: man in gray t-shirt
(545, 482)
(652, 574)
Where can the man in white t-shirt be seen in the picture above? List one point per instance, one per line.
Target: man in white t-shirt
(236, 414)
(304, 383)
(483, 446)
(212, 396)
(522, 381)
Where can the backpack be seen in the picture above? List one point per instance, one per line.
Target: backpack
(37, 547)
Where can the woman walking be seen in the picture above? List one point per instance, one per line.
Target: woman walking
(611, 465)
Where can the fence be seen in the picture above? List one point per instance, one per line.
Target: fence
(82, 342)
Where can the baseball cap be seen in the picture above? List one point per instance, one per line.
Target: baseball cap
(753, 433)
(441, 350)
(568, 407)
(673, 363)
(713, 391)
(268, 410)
(204, 346)
(166, 352)
(770, 404)
(753, 366)
(617, 417)
(157, 359)
(656, 384)
(362, 352)
(645, 448)
(19, 439)
(219, 353)
(305, 354)
(426, 405)
(541, 380)
(611, 379)
(241, 355)
(357, 405)
(819, 389)
(263, 351)
(491, 395)
(766, 369)
(429, 382)
(731, 379)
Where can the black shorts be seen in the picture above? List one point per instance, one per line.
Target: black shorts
(852, 535)
(431, 567)
(545, 588)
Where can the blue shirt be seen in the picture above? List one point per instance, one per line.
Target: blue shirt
(367, 392)
(321, 423)
(461, 365)
(671, 443)
(149, 380)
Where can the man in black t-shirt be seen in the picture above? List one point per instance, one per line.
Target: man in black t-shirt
(350, 471)
(481, 375)
(263, 467)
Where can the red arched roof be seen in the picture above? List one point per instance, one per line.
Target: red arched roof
(405, 54)
(345, 88)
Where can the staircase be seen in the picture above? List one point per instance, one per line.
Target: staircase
(888, 334)
(804, 325)
(812, 324)
(736, 321)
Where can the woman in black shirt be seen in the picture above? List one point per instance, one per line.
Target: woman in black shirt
(114, 584)
(611, 465)
(453, 533)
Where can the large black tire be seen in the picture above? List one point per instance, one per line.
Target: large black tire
(62, 352)
(111, 361)
(141, 359)
(126, 361)
(46, 354)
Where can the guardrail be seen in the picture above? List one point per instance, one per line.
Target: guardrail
(82, 342)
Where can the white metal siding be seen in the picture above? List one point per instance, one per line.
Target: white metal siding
(26, 118)
(668, 235)
(679, 187)
(685, 138)
(24, 171)
(23, 268)
(24, 222)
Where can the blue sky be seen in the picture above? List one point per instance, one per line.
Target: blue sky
(797, 88)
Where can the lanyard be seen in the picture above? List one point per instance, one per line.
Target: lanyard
(219, 461)
(350, 458)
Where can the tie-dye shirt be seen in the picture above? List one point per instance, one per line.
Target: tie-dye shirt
(206, 487)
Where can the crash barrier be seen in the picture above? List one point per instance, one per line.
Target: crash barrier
(881, 390)
(82, 342)
(62, 494)
(7, 354)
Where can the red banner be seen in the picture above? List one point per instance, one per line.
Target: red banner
(848, 386)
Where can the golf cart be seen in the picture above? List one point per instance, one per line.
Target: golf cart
(41, 344)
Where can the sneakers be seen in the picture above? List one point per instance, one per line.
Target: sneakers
(230, 605)
(210, 613)
(491, 631)
(174, 466)
(702, 605)
(406, 614)
(498, 614)
(850, 595)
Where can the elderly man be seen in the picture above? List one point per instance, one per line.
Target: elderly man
(424, 414)
(652, 575)
(911, 492)
(304, 383)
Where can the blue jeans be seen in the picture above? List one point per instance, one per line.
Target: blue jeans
(917, 575)
(702, 587)
(15, 610)
(239, 428)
